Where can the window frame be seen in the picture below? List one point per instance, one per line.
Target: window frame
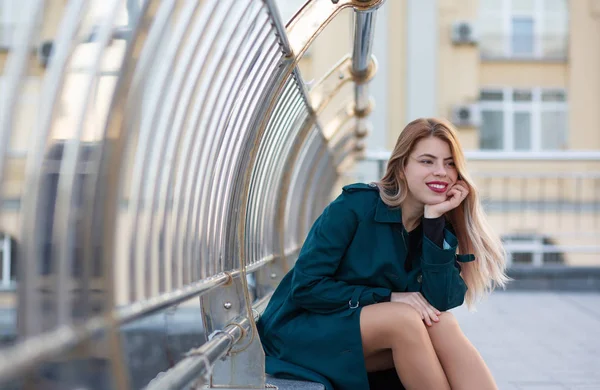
(508, 14)
(508, 107)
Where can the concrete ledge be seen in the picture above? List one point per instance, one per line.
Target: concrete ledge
(287, 384)
(554, 278)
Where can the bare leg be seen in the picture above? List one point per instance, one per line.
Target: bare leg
(399, 328)
(462, 364)
(380, 361)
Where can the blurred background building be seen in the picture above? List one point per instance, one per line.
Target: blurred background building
(519, 80)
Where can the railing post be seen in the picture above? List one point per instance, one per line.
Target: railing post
(244, 366)
(362, 68)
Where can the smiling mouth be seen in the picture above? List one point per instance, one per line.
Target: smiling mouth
(438, 188)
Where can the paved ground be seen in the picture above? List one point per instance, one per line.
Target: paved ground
(538, 340)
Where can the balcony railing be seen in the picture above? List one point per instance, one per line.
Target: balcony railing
(546, 206)
(198, 162)
(524, 47)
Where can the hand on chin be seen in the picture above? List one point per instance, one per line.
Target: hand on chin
(448, 201)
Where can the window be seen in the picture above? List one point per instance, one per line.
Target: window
(524, 29)
(531, 249)
(523, 119)
(522, 36)
(8, 269)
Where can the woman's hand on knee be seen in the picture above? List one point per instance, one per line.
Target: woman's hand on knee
(419, 303)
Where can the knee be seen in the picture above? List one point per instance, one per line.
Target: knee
(447, 323)
(406, 321)
(448, 319)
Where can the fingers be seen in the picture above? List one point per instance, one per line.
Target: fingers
(417, 301)
(429, 312)
(462, 187)
(417, 304)
(458, 193)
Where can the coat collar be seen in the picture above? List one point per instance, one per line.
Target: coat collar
(386, 214)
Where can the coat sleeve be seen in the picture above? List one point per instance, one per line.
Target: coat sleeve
(314, 287)
(442, 285)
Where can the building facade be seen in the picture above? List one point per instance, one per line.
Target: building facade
(520, 81)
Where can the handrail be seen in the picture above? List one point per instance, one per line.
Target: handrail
(202, 166)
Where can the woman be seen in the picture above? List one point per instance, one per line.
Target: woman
(366, 303)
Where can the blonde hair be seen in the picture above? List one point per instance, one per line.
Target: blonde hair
(469, 221)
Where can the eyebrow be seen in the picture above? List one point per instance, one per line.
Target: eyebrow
(434, 157)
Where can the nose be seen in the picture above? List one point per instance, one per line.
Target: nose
(440, 170)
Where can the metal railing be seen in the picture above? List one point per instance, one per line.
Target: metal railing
(545, 205)
(174, 159)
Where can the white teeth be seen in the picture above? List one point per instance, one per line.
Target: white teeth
(438, 186)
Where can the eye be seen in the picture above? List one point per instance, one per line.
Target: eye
(427, 162)
(451, 164)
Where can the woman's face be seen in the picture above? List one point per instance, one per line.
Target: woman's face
(430, 171)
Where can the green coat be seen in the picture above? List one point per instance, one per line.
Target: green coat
(353, 257)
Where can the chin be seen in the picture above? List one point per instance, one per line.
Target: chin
(433, 199)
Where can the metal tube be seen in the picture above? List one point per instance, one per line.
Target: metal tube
(186, 76)
(208, 116)
(142, 49)
(364, 31)
(196, 367)
(293, 209)
(259, 264)
(139, 256)
(279, 26)
(247, 103)
(364, 28)
(204, 101)
(258, 191)
(252, 213)
(140, 309)
(261, 190)
(34, 350)
(30, 231)
(280, 175)
(65, 207)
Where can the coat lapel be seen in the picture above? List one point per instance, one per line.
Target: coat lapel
(385, 214)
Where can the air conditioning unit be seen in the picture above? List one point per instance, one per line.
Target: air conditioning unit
(463, 32)
(466, 115)
(44, 52)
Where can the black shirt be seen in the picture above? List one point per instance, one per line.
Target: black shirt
(433, 229)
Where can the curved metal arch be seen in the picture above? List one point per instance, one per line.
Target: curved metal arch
(315, 15)
(238, 122)
(325, 90)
